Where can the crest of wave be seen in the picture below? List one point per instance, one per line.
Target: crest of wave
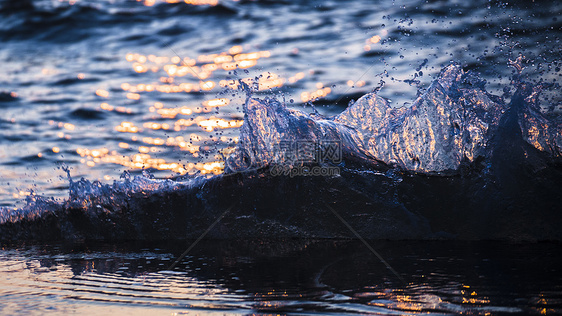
(453, 123)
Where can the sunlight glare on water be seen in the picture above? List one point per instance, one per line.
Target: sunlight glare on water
(155, 85)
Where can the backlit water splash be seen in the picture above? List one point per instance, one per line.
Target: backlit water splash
(109, 86)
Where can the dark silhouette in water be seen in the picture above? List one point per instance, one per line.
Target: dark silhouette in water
(458, 164)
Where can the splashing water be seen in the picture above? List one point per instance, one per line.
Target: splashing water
(454, 129)
(173, 92)
(455, 120)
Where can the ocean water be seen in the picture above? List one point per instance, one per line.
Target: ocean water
(108, 86)
(145, 120)
(287, 277)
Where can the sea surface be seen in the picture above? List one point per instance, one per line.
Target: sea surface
(272, 277)
(106, 89)
(108, 86)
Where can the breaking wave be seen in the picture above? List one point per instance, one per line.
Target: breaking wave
(458, 163)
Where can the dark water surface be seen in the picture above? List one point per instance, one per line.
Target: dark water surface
(314, 277)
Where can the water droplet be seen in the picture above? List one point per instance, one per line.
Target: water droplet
(416, 163)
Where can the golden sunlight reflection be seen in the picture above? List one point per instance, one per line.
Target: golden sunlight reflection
(399, 300)
(144, 160)
(214, 123)
(201, 67)
(127, 127)
(176, 75)
(172, 106)
(376, 39)
(102, 93)
(314, 95)
(265, 81)
(67, 126)
(120, 109)
(216, 102)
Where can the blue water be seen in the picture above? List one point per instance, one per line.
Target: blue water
(68, 81)
(97, 88)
